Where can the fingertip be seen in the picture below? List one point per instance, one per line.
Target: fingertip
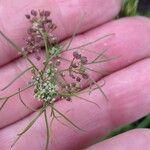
(137, 139)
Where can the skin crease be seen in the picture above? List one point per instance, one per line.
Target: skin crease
(127, 105)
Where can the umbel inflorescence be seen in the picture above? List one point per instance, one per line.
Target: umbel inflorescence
(51, 82)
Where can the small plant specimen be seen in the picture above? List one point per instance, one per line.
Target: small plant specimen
(53, 83)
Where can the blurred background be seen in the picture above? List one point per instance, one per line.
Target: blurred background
(133, 8)
(144, 7)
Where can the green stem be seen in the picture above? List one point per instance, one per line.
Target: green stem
(18, 49)
(145, 123)
(47, 130)
(52, 107)
(86, 44)
(22, 73)
(29, 126)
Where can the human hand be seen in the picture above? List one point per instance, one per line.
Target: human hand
(127, 86)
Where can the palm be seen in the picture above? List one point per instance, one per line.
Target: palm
(126, 86)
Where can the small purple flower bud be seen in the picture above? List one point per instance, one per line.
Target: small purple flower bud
(72, 76)
(50, 22)
(30, 31)
(68, 98)
(42, 13)
(76, 55)
(74, 65)
(78, 79)
(85, 76)
(34, 13)
(27, 16)
(47, 13)
(38, 57)
(84, 60)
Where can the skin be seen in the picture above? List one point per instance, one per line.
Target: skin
(126, 86)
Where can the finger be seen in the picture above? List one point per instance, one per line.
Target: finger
(136, 139)
(66, 15)
(127, 48)
(128, 91)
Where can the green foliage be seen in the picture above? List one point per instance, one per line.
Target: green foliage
(141, 123)
(129, 8)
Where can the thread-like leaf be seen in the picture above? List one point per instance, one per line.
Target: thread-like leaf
(18, 49)
(20, 98)
(89, 43)
(17, 77)
(47, 130)
(28, 126)
(66, 118)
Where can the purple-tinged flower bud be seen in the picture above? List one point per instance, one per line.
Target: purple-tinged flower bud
(47, 13)
(76, 55)
(68, 98)
(74, 65)
(30, 31)
(85, 76)
(50, 22)
(42, 13)
(78, 79)
(38, 57)
(34, 13)
(28, 16)
(72, 76)
(84, 60)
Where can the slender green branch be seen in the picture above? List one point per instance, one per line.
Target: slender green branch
(66, 118)
(144, 123)
(5, 101)
(87, 100)
(99, 89)
(101, 61)
(100, 55)
(17, 77)
(21, 90)
(28, 126)
(74, 34)
(86, 44)
(18, 49)
(47, 130)
(29, 108)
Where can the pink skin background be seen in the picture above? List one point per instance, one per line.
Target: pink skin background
(127, 85)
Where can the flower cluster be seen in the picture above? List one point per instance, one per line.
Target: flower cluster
(49, 83)
(40, 31)
(77, 67)
(45, 90)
